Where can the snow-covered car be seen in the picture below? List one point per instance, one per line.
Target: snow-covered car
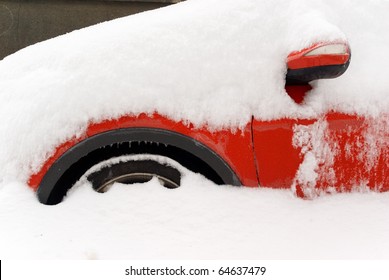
(216, 87)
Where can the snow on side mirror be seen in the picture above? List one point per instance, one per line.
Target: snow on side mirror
(320, 61)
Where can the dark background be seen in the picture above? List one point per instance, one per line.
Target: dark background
(25, 22)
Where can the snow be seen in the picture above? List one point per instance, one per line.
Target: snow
(199, 220)
(316, 151)
(213, 63)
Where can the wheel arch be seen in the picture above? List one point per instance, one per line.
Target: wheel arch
(60, 175)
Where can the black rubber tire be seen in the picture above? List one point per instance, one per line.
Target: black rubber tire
(134, 171)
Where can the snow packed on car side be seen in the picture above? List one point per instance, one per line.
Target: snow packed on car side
(319, 152)
(209, 62)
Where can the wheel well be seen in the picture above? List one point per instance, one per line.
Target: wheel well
(183, 157)
(76, 161)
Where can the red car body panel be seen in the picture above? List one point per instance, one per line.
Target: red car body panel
(235, 147)
(360, 153)
(297, 92)
(276, 158)
(352, 151)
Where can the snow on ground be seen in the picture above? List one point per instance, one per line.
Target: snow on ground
(200, 220)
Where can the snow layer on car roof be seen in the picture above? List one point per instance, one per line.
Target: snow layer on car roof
(209, 62)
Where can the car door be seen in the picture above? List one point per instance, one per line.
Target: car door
(334, 153)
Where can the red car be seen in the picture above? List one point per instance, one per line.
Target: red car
(334, 153)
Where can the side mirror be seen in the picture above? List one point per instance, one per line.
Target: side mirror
(320, 61)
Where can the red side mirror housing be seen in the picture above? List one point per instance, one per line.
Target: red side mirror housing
(320, 61)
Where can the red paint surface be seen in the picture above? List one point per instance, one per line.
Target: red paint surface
(277, 160)
(298, 60)
(318, 60)
(361, 153)
(355, 152)
(234, 147)
(298, 92)
(358, 147)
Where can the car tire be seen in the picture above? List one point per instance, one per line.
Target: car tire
(134, 171)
